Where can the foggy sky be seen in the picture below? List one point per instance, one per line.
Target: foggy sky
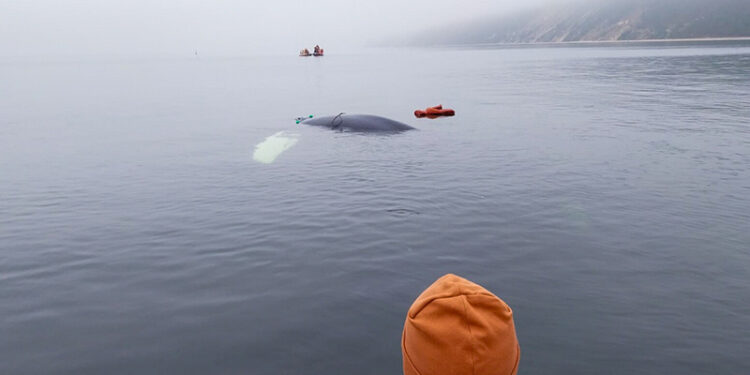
(220, 27)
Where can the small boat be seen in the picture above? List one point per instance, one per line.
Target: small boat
(306, 52)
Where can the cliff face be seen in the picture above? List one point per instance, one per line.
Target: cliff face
(605, 20)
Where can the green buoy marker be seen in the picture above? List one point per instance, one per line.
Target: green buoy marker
(299, 119)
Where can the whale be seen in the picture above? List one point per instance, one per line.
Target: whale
(267, 151)
(357, 123)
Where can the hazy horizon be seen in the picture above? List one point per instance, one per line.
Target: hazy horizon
(48, 28)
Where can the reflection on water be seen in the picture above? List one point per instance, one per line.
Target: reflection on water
(603, 192)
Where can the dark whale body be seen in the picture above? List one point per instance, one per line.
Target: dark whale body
(358, 123)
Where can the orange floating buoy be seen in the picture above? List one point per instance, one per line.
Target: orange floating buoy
(434, 112)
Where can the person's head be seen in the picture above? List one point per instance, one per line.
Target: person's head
(456, 327)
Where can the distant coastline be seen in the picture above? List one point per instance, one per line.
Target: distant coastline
(600, 21)
(596, 42)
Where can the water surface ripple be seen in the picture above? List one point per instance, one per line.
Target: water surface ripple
(603, 192)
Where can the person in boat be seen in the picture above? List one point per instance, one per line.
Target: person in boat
(458, 327)
(317, 50)
(304, 52)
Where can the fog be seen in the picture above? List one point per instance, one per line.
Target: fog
(220, 27)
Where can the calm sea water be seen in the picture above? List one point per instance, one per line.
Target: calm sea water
(603, 192)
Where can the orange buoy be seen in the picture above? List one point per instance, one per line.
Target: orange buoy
(434, 112)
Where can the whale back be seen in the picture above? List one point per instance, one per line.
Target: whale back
(358, 123)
